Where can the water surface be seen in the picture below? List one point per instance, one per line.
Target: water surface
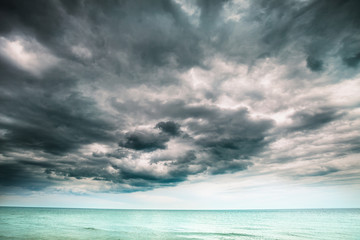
(61, 223)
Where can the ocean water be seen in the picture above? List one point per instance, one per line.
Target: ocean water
(59, 223)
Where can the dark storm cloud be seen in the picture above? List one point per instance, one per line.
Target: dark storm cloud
(228, 141)
(36, 176)
(129, 178)
(29, 176)
(48, 115)
(317, 28)
(169, 127)
(54, 117)
(159, 36)
(352, 61)
(147, 141)
(228, 137)
(229, 130)
(314, 64)
(79, 115)
(42, 18)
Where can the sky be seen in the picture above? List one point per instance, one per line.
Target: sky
(180, 104)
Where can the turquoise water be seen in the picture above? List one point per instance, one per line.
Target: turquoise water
(57, 223)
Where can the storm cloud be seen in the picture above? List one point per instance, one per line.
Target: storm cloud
(123, 96)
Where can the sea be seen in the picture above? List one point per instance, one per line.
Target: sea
(69, 223)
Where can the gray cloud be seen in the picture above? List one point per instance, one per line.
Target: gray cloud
(314, 64)
(322, 172)
(169, 127)
(313, 119)
(136, 95)
(22, 175)
(141, 140)
(352, 61)
(47, 117)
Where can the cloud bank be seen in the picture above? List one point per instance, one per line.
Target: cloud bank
(123, 96)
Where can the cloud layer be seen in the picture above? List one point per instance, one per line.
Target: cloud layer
(122, 96)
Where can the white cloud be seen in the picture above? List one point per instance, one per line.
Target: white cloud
(27, 54)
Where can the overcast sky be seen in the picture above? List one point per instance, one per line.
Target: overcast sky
(180, 104)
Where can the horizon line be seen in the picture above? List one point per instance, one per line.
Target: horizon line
(174, 209)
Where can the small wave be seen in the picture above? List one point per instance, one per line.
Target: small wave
(90, 228)
(236, 234)
(230, 234)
